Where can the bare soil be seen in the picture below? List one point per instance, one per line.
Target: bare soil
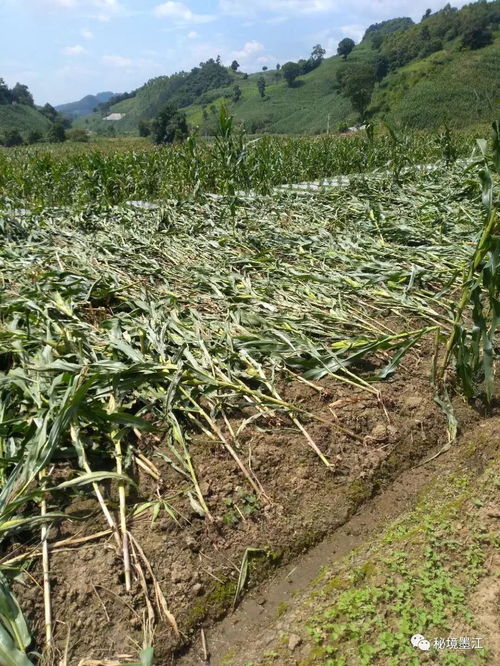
(369, 441)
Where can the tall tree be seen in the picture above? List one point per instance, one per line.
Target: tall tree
(357, 84)
(317, 54)
(291, 70)
(169, 125)
(5, 94)
(236, 94)
(56, 133)
(261, 85)
(235, 65)
(22, 95)
(12, 138)
(345, 47)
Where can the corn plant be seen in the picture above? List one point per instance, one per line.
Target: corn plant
(475, 349)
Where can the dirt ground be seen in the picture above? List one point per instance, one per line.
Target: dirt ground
(269, 626)
(369, 441)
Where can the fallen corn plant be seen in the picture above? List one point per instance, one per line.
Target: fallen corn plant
(118, 322)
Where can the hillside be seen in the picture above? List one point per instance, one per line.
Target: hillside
(84, 106)
(23, 118)
(444, 69)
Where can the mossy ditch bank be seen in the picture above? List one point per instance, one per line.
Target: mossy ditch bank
(421, 558)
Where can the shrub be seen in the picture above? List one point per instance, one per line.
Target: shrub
(12, 138)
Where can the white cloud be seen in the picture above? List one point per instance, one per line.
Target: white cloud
(64, 3)
(193, 35)
(136, 64)
(178, 12)
(86, 34)
(102, 10)
(74, 50)
(117, 61)
(365, 10)
(282, 7)
(249, 50)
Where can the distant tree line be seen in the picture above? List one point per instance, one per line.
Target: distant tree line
(57, 131)
(291, 70)
(19, 94)
(399, 41)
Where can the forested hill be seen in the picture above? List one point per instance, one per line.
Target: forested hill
(21, 120)
(84, 106)
(445, 68)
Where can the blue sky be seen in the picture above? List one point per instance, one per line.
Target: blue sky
(64, 49)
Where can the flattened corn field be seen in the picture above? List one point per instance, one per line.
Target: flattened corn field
(193, 394)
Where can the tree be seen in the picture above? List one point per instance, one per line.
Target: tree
(291, 70)
(235, 65)
(34, 136)
(381, 67)
(264, 69)
(49, 112)
(22, 95)
(476, 36)
(12, 138)
(77, 135)
(345, 47)
(261, 85)
(317, 54)
(377, 40)
(169, 125)
(236, 94)
(278, 67)
(56, 133)
(358, 82)
(5, 94)
(144, 128)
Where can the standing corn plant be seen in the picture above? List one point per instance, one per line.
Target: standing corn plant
(475, 349)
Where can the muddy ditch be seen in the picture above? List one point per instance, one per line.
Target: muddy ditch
(369, 440)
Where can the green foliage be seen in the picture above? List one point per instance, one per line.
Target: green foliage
(66, 174)
(291, 70)
(77, 135)
(381, 30)
(5, 93)
(475, 349)
(345, 47)
(12, 138)
(235, 65)
(358, 82)
(471, 22)
(144, 128)
(476, 37)
(237, 93)
(261, 86)
(21, 95)
(34, 136)
(104, 319)
(57, 133)
(170, 125)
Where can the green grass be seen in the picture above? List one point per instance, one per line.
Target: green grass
(452, 86)
(23, 118)
(418, 576)
(449, 87)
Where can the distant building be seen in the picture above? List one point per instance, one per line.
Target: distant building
(115, 116)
